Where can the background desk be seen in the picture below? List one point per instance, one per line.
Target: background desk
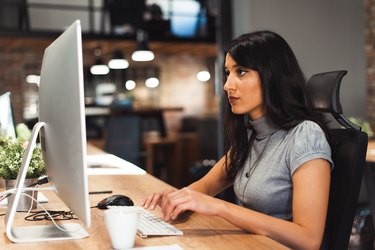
(200, 231)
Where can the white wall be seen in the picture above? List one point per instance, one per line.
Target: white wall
(325, 35)
(60, 18)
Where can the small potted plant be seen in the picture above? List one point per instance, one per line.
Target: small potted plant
(11, 155)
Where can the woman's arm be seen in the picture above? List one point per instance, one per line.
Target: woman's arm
(211, 184)
(310, 201)
(214, 181)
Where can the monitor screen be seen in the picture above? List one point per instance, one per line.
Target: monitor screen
(61, 108)
(7, 122)
(62, 135)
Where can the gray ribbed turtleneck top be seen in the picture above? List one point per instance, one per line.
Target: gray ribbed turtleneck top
(264, 183)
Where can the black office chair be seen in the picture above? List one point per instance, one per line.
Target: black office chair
(123, 137)
(349, 145)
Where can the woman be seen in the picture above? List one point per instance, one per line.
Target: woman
(278, 158)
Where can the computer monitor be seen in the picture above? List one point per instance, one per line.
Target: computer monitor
(7, 122)
(63, 138)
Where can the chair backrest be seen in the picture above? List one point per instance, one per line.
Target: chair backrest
(349, 145)
(123, 137)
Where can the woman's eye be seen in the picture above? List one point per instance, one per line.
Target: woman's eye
(226, 72)
(241, 72)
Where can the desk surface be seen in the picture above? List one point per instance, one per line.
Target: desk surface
(107, 110)
(370, 156)
(200, 231)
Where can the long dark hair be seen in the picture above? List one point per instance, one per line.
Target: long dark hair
(283, 88)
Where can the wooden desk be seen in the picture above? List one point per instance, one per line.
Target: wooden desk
(143, 112)
(169, 150)
(370, 156)
(177, 154)
(200, 231)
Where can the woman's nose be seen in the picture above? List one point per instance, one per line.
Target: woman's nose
(228, 85)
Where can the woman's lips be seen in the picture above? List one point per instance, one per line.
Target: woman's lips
(233, 99)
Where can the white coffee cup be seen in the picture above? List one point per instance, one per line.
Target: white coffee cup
(122, 223)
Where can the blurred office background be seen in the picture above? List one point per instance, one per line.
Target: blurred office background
(187, 38)
(165, 114)
(130, 102)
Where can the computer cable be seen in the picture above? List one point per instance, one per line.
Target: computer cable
(44, 214)
(51, 215)
(42, 180)
(48, 214)
(7, 193)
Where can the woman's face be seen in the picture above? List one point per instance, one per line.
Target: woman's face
(244, 89)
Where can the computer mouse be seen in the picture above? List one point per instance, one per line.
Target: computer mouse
(115, 200)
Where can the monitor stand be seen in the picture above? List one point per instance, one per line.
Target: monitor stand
(66, 231)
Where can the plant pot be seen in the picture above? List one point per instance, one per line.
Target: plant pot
(25, 202)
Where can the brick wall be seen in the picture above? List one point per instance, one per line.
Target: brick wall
(370, 59)
(14, 65)
(178, 83)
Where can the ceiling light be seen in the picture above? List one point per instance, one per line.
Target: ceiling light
(33, 79)
(99, 68)
(142, 53)
(203, 76)
(118, 61)
(130, 84)
(118, 64)
(152, 82)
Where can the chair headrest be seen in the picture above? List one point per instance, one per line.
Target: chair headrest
(324, 93)
(324, 90)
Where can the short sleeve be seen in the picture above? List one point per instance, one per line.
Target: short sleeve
(308, 142)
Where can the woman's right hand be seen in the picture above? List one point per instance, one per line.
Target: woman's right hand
(155, 199)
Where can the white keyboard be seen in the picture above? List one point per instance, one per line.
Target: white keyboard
(151, 225)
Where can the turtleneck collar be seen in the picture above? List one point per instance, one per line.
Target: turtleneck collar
(263, 127)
